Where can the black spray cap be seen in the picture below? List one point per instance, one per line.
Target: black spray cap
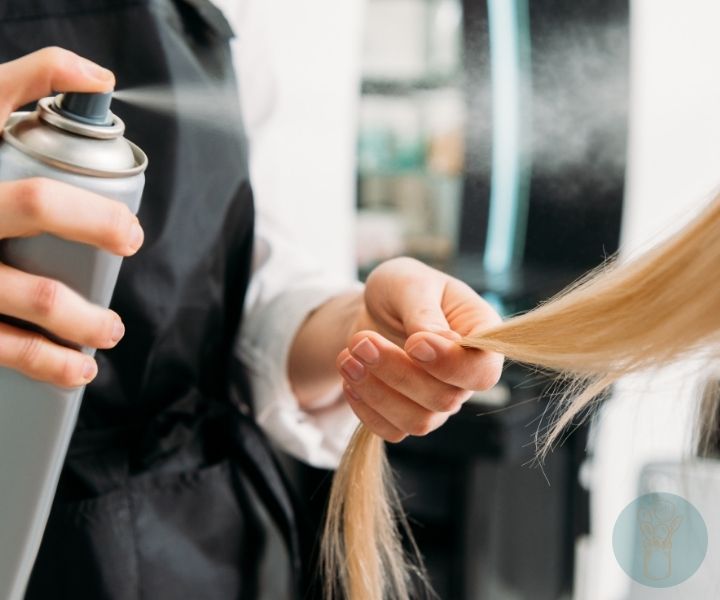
(90, 108)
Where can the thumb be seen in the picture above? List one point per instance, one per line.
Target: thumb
(420, 309)
(45, 71)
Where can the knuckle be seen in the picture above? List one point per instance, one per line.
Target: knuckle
(55, 57)
(118, 223)
(486, 383)
(426, 312)
(489, 376)
(450, 401)
(6, 107)
(400, 379)
(98, 329)
(67, 371)
(382, 428)
(98, 337)
(44, 297)
(421, 426)
(29, 355)
(31, 196)
(455, 372)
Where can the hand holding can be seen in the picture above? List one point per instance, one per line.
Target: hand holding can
(44, 205)
(70, 187)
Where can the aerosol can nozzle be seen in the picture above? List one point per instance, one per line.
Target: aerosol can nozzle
(89, 108)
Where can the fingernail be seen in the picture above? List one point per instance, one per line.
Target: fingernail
(353, 369)
(96, 71)
(118, 331)
(136, 237)
(423, 352)
(89, 369)
(366, 352)
(351, 392)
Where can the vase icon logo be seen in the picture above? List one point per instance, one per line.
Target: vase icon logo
(660, 539)
(658, 521)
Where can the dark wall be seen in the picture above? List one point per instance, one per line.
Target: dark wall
(579, 71)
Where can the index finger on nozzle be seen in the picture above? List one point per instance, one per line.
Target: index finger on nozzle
(46, 71)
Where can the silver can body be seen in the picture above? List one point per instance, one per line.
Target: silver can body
(37, 419)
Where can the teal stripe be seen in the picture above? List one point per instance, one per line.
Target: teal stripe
(511, 100)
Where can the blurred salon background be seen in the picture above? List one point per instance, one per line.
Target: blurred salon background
(515, 144)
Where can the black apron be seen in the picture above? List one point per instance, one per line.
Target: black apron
(169, 490)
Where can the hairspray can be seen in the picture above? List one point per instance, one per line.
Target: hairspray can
(74, 138)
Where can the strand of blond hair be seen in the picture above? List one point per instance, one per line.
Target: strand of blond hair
(620, 319)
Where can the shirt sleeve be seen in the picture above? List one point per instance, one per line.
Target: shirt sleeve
(298, 103)
(286, 286)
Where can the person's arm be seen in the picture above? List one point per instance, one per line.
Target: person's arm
(287, 285)
(393, 347)
(322, 336)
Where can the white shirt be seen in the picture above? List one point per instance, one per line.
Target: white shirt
(285, 287)
(288, 283)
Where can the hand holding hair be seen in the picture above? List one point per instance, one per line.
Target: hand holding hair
(404, 372)
(620, 319)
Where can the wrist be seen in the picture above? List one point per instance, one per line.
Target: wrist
(322, 336)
